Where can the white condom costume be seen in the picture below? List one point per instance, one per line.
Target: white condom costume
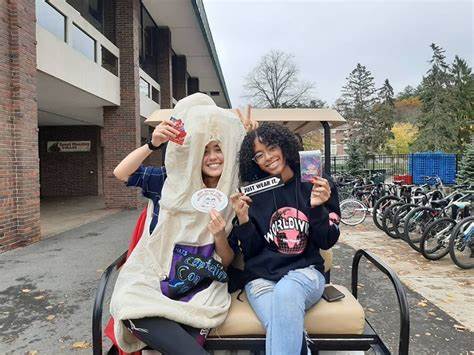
(141, 285)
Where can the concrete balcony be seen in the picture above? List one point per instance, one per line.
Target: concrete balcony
(70, 49)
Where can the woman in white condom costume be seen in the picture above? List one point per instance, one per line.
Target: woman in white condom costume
(151, 303)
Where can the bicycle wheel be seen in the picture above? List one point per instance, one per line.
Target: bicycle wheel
(399, 218)
(434, 243)
(353, 212)
(380, 206)
(416, 223)
(387, 219)
(461, 244)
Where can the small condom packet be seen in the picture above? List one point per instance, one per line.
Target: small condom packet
(179, 125)
(310, 164)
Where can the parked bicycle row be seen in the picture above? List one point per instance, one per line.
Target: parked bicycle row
(431, 218)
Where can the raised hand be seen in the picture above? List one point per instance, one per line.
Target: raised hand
(321, 191)
(241, 204)
(247, 121)
(163, 132)
(217, 224)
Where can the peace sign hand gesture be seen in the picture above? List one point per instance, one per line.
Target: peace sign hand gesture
(247, 121)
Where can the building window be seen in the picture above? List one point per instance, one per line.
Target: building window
(144, 87)
(155, 95)
(109, 61)
(91, 10)
(83, 43)
(96, 10)
(51, 19)
(148, 44)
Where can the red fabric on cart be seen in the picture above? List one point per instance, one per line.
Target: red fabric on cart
(137, 234)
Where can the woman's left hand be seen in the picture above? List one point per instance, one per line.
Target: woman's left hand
(321, 191)
(217, 224)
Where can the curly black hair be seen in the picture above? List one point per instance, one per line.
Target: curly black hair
(268, 133)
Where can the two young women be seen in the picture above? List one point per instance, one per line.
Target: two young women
(280, 240)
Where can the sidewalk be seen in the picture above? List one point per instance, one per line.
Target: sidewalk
(60, 214)
(47, 290)
(440, 281)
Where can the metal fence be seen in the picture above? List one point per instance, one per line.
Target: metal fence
(397, 164)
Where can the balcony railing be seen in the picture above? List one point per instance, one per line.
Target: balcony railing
(67, 24)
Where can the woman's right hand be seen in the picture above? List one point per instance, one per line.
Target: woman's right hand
(241, 204)
(163, 132)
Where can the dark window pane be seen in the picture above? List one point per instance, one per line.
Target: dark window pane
(109, 61)
(155, 95)
(82, 42)
(51, 19)
(96, 9)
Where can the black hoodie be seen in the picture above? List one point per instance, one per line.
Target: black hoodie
(284, 232)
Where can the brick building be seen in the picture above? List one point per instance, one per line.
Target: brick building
(77, 80)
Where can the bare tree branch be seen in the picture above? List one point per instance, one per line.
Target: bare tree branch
(274, 83)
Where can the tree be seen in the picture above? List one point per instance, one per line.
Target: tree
(274, 82)
(404, 134)
(355, 162)
(408, 109)
(466, 167)
(463, 100)
(384, 117)
(437, 124)
(313, 140)
(408, 92)
(356, 103)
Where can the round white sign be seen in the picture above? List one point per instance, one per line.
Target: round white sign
(206, 199)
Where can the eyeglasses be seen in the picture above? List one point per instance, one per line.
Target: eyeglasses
(258, 157)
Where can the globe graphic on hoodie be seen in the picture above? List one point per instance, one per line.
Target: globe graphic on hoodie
(289, 230)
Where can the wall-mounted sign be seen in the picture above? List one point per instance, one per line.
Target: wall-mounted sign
(68, 146)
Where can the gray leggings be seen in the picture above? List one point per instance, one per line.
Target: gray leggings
(167, 336)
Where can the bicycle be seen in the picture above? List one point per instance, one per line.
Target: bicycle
(461, 244)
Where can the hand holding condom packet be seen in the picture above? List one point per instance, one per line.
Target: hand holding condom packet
(179, 125)
(310, 165)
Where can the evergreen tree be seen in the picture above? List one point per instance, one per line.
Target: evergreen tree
(384, 114)
(406, 93)
(466, 168)
(357, 100)
(437, 126)
(463, 101)
(355, 162)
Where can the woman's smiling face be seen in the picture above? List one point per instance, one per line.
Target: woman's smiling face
(212, 161)
(269, 158)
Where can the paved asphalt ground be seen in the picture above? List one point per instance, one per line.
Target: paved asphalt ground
(47, 290)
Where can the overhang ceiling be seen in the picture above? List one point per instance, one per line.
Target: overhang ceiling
(60, 103)
(188, 39)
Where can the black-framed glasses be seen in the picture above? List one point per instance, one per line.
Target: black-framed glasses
(258, 157)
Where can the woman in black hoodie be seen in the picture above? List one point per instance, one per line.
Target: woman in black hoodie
(280, 233)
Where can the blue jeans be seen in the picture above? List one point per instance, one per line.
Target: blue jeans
(281, 307)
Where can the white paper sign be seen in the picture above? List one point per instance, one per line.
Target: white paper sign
(262, 185)
(206, 199)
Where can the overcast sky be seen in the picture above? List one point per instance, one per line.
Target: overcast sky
(328, 38)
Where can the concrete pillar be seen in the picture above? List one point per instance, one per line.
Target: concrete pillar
(165, 67)
(193, 85)
(180, 77)
(121, 132)
(19, 162)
